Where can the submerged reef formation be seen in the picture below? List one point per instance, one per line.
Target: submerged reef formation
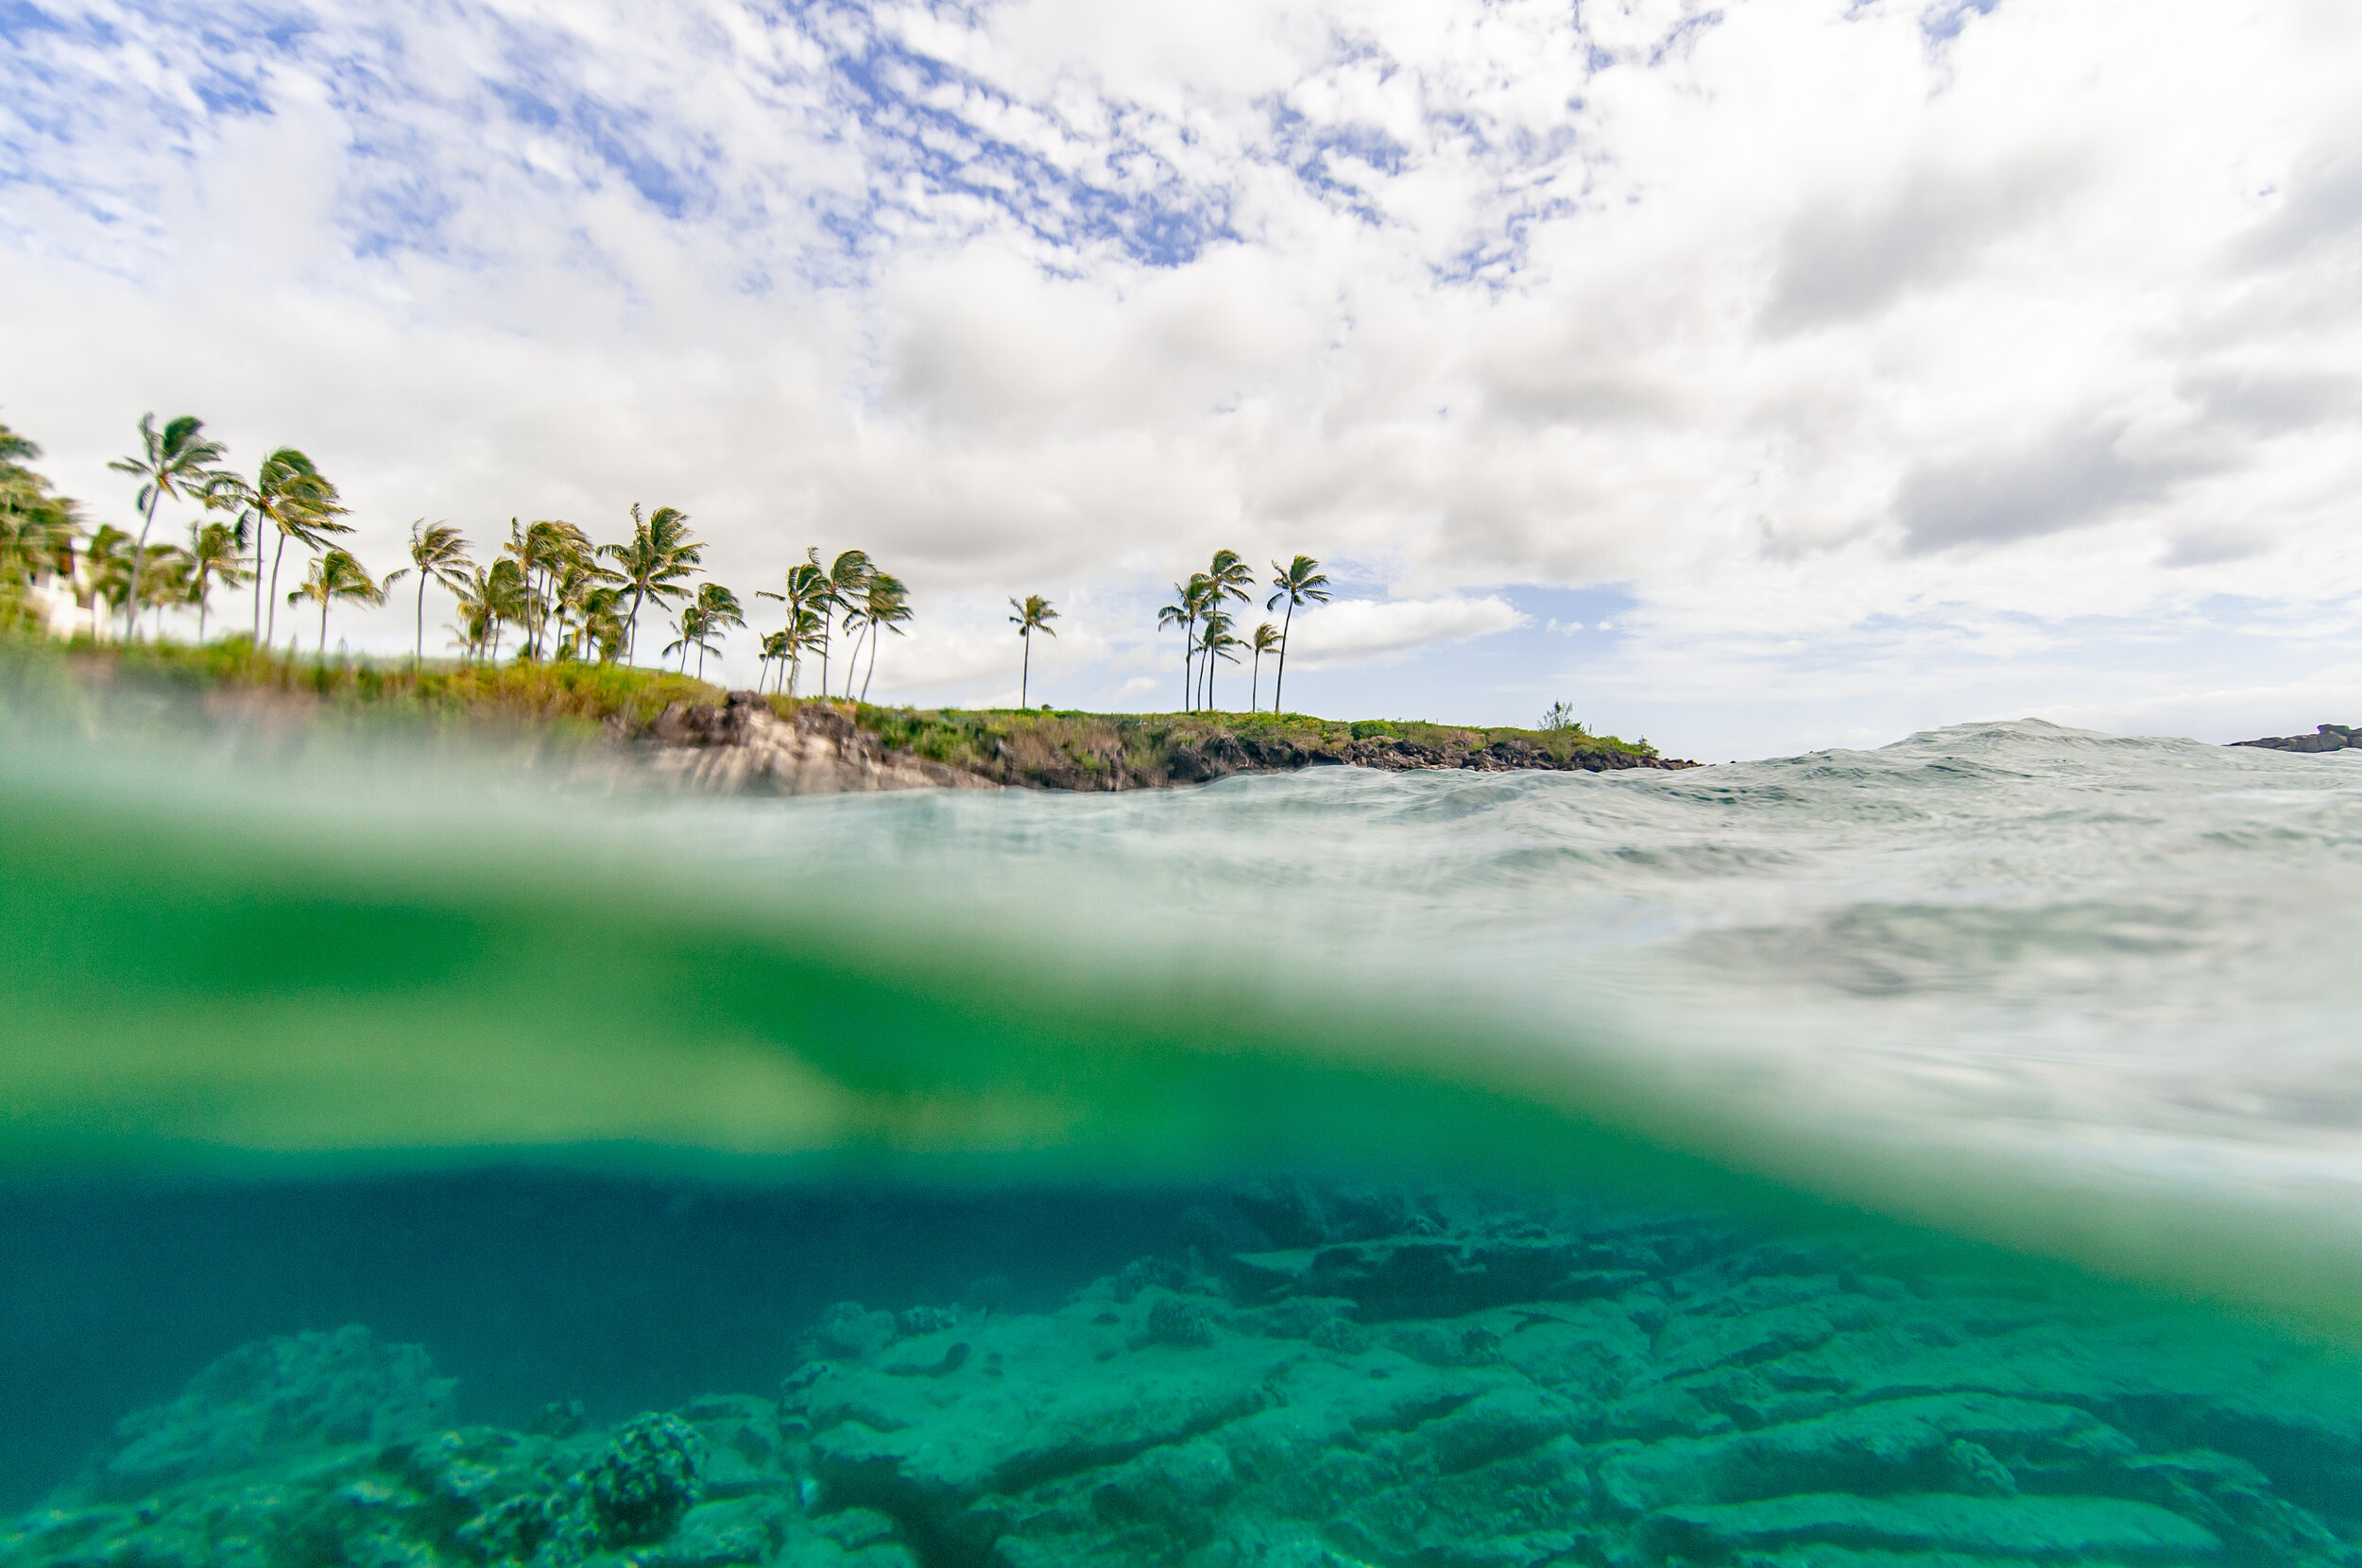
(1319, 1379)
(2326, 738)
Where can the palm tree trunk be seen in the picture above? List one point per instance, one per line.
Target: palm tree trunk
(417, 661)
(1255, 693)
(1025, 681)
(323, 623)
(873, 664)
(270, 627)
(632, 628)
(200, 610)
(1279, 678)
(139, 553)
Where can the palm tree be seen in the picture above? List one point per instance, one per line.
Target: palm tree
(602, 620)
(1188, 599)
(1215, 642)
(657, 563)
(576, 580)
(215, 554)
(439, 554)
(542, 550)
(1300, 582)
(885, 606)
(801, 633)
(164, 577)
(1034, 615)
(693, 626)
(1266, 641)
(846, 576)
(806, 590)
(717, 611)
(1227, 577)
(176, 461)
(290, 496)
(108, 561)
(337, 575)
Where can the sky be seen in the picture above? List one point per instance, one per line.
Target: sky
(1755, 377)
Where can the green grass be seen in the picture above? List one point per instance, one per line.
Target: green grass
(1004, 742)
(440, 689)
(1029, 739)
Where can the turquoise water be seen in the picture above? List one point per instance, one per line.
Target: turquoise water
(1940, 1155)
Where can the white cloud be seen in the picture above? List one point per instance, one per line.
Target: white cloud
(1807, 322)
(1359, 631)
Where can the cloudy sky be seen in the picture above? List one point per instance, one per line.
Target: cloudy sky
(1772, 375)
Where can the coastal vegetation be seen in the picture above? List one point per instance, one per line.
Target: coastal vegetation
(605, 703)
(576, 607)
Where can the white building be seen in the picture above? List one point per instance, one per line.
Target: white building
(67, 605)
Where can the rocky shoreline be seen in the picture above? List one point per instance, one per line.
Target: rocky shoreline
(1314, 1378)
(743, 746)
(2326, 738)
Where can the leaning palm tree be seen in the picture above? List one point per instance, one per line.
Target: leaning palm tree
(439, 554)
(1216, 643)
(289, 496)
(885, 607)
(337, 575)
(1266, 641)
(1032, 616)
(176, 461)
(1300, 582)
(216, 555)
(656, 563)
(846, 576)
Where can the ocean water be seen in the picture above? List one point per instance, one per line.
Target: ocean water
(1938, 1155)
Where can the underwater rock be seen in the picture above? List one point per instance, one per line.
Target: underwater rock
(293, 1395)
(850, 1329)
(1667, 1393)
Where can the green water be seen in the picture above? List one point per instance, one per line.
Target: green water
(1560, 1169)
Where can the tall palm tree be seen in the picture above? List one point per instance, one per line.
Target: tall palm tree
(1266, 641)
(1216, 643)
(1032, 616)
(216, 555)
(1300, 582)
(176, 461)
(439, 554)
(289, 496)
(1187, 600)
(1225, 578)
(846, 576)
(337, 575)
(884, 607)
(657, 563)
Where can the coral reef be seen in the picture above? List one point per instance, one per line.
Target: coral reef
(1318, 1377)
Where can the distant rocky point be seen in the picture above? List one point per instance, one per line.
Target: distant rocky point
(2330, 737)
